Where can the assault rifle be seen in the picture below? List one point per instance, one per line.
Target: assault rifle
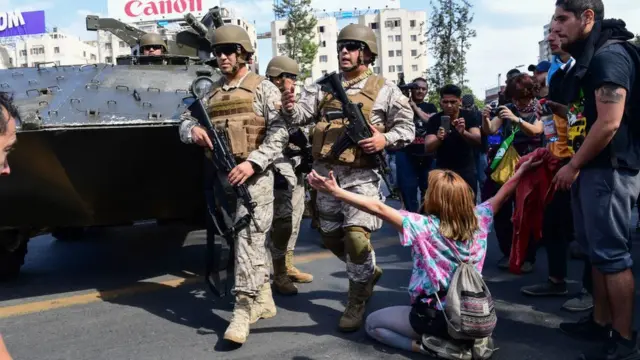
(356, 129)
(222, 161)
(300, 140)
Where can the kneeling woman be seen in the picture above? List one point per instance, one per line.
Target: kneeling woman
(453, 224)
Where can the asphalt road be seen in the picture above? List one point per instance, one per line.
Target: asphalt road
(134, 293)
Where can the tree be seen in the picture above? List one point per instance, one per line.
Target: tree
(636, 40)
(449, 37)
(300, 44)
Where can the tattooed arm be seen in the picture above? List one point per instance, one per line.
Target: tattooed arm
(610, 103)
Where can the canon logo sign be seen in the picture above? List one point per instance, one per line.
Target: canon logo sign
(141, 8)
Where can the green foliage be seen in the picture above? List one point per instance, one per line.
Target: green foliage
(300, 44)
(449, 37)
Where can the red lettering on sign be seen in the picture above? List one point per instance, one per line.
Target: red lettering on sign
(137, 8)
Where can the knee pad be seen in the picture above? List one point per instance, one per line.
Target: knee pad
(333, 241)
(357, 244)
(281, 232)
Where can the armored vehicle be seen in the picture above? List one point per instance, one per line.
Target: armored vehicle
(98, 145)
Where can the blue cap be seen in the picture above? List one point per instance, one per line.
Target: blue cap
(543, 66)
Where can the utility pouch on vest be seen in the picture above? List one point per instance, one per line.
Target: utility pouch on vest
(237, 139)
(318, 139)
(256, 132)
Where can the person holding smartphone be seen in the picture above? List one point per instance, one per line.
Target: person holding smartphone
(452, 135)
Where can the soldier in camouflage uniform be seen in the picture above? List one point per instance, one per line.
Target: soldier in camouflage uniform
(289, 196)
(345, 230)
(244, 105)
(152, 44)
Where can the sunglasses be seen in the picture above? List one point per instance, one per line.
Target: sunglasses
(225, 49)
(349, 45)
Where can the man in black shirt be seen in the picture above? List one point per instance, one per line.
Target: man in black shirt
(412, 162)
(605, 172)
(454, 148)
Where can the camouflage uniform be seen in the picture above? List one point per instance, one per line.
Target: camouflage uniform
(250, 104)
(346, 230)
(289, 199)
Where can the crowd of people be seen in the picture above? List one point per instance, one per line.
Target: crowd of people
(460, 172)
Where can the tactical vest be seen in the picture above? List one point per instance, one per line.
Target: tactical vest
(328, 130)
(232, 111)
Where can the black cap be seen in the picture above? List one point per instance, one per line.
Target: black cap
(512, 73)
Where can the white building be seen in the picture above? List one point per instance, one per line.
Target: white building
(543, 46)
(401, 44)
(55, 47)
(402, 47)
(326, 35)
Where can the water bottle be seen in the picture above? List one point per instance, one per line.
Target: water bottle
(550, 132)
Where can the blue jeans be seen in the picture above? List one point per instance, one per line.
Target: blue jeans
(412, 174)
(481, 166)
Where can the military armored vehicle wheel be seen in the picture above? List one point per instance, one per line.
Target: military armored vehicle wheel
(13, 249)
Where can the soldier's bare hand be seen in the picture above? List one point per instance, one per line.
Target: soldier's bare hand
(241, 173)
(200, 137)
(375, 143)
(288, 99)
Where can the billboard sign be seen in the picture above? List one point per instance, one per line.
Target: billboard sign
(129, 11)
(16, 23)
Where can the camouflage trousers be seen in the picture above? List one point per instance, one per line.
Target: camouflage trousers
(252, 269)
(288, 208)
(346, 230)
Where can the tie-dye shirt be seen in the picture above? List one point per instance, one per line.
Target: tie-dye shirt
(433, 260)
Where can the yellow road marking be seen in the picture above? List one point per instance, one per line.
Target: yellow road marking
(144, 287)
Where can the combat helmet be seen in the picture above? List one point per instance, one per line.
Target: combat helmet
(282, 64)
(361, 33)
(152, 39)
(232, 34)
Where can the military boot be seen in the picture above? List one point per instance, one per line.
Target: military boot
(294, 274)
(281, 281)
(238, 328)
(359, 295)
(263, 307)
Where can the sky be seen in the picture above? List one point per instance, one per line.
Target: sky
(508, 32)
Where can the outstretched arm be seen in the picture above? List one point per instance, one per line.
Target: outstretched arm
(367, 204)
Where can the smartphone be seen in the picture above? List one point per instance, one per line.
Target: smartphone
(445, 123)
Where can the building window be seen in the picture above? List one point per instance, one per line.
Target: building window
(238, 22)
(323, 43)
(374, 25)
(107, 46)
(37, 50)
(414, 52)
(11, 61)
(324, 58)
(412, 23)
(23, 52)
(390, 38)
(398, 52)
(123, 44)
(283, 32)
(414, 37)
(414, 67)
(56, 50)
(108, 59)
(388, 24)
(324, 72)
(399, 68)
(376, 70)
(84, 54)
(392, 68)
(390, 53)
(320, 29)
(92, 57)
(398, 38)
(25, 65)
